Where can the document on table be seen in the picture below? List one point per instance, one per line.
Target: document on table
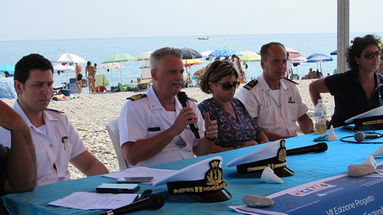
(89, 201)
(142, 172)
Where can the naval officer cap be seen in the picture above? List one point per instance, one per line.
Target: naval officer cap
(373, 117)
(271, 155)
(202, 180)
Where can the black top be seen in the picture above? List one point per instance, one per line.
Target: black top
(350, 98)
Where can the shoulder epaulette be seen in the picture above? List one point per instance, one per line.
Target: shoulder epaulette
(251, 84)
(291, 81)
(57, 111)
(137, 97)
(192, 99)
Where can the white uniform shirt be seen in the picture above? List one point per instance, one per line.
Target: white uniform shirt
(56, 143)
(277, 116)
(146, 117)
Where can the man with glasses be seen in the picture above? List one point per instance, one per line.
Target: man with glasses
(357, 90)
(156, 127)
(273, 101)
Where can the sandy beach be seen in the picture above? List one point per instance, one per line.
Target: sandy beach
(89, 113)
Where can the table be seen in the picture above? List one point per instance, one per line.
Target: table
(307, 167)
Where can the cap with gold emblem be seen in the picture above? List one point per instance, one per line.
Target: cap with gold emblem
(202, 180)
(271, 155)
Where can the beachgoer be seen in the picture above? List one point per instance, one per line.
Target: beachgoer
(90, 73)
(357, 90)
(18, 162)
(154, 127)
(236, 128)
(56, 141)
(238, 67)
(273, 101)
(78, 70)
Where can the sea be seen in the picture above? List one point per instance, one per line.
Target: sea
(97, 50)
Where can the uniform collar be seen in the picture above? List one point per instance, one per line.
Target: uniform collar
(154, 102)
(47, 116)
(262, 81)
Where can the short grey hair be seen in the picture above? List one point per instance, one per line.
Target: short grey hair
(160, 53)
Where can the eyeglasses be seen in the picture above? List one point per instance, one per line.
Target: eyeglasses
(228, 86)
(370, 55)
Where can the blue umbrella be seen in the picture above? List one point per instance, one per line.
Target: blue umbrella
(333, 52)
(224, 52)
(315, 58)
(7, 68)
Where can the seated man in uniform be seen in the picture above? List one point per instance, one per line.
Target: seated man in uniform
(56, 141)
(155, 127)
(17, 164)
(273, 101)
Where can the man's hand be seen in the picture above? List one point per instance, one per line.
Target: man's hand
(186, 117)
(210, 126)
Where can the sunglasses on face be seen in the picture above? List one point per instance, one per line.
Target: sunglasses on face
(370, 55)
(228, 86)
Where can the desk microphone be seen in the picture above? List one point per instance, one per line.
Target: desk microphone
(319, 147)
(182, 97)
(360, 136)
(155, 201)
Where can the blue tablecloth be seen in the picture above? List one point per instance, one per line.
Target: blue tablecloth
(307, 167)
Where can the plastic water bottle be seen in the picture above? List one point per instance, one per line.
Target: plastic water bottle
(320, 118)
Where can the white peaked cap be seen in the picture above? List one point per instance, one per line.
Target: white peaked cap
(266, 151)
(193, 172)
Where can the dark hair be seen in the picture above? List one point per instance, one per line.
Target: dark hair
(265, 49)
(30, 62)
(215, 72)
(88, 63)
(357, 47)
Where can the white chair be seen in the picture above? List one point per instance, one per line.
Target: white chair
(113, 131)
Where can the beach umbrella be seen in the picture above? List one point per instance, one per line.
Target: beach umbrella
(317, 57)
(189, 53)
(6, 88)
(224, 52)
(7, 68)
(120, 57)
(298, 59)
(191, 62)
(63, 68)
(69, 58)
(333, 52)
(293, 53)
(205, 54)
(248, 56)
(110, 66)
(145, 56)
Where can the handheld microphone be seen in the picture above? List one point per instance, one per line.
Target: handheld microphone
(360, 136)
(182, 97)
(155, 201)
(319, 147)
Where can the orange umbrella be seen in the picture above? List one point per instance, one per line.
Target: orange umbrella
(191, 62)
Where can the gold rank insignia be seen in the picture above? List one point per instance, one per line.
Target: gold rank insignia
(282, 152)
(137, 97)
(251, 84)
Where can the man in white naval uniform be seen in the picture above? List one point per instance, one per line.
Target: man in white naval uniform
(273, 101)
(55, 140)
(154, 127)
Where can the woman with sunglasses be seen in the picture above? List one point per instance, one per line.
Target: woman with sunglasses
(357, 90)
(236, 128)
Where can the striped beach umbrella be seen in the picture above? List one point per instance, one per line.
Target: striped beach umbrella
(224, 52)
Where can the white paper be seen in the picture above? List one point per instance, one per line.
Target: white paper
(89, 201)
(249, 210)
(157, 174)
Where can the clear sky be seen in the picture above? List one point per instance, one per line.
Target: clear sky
(66, 19)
